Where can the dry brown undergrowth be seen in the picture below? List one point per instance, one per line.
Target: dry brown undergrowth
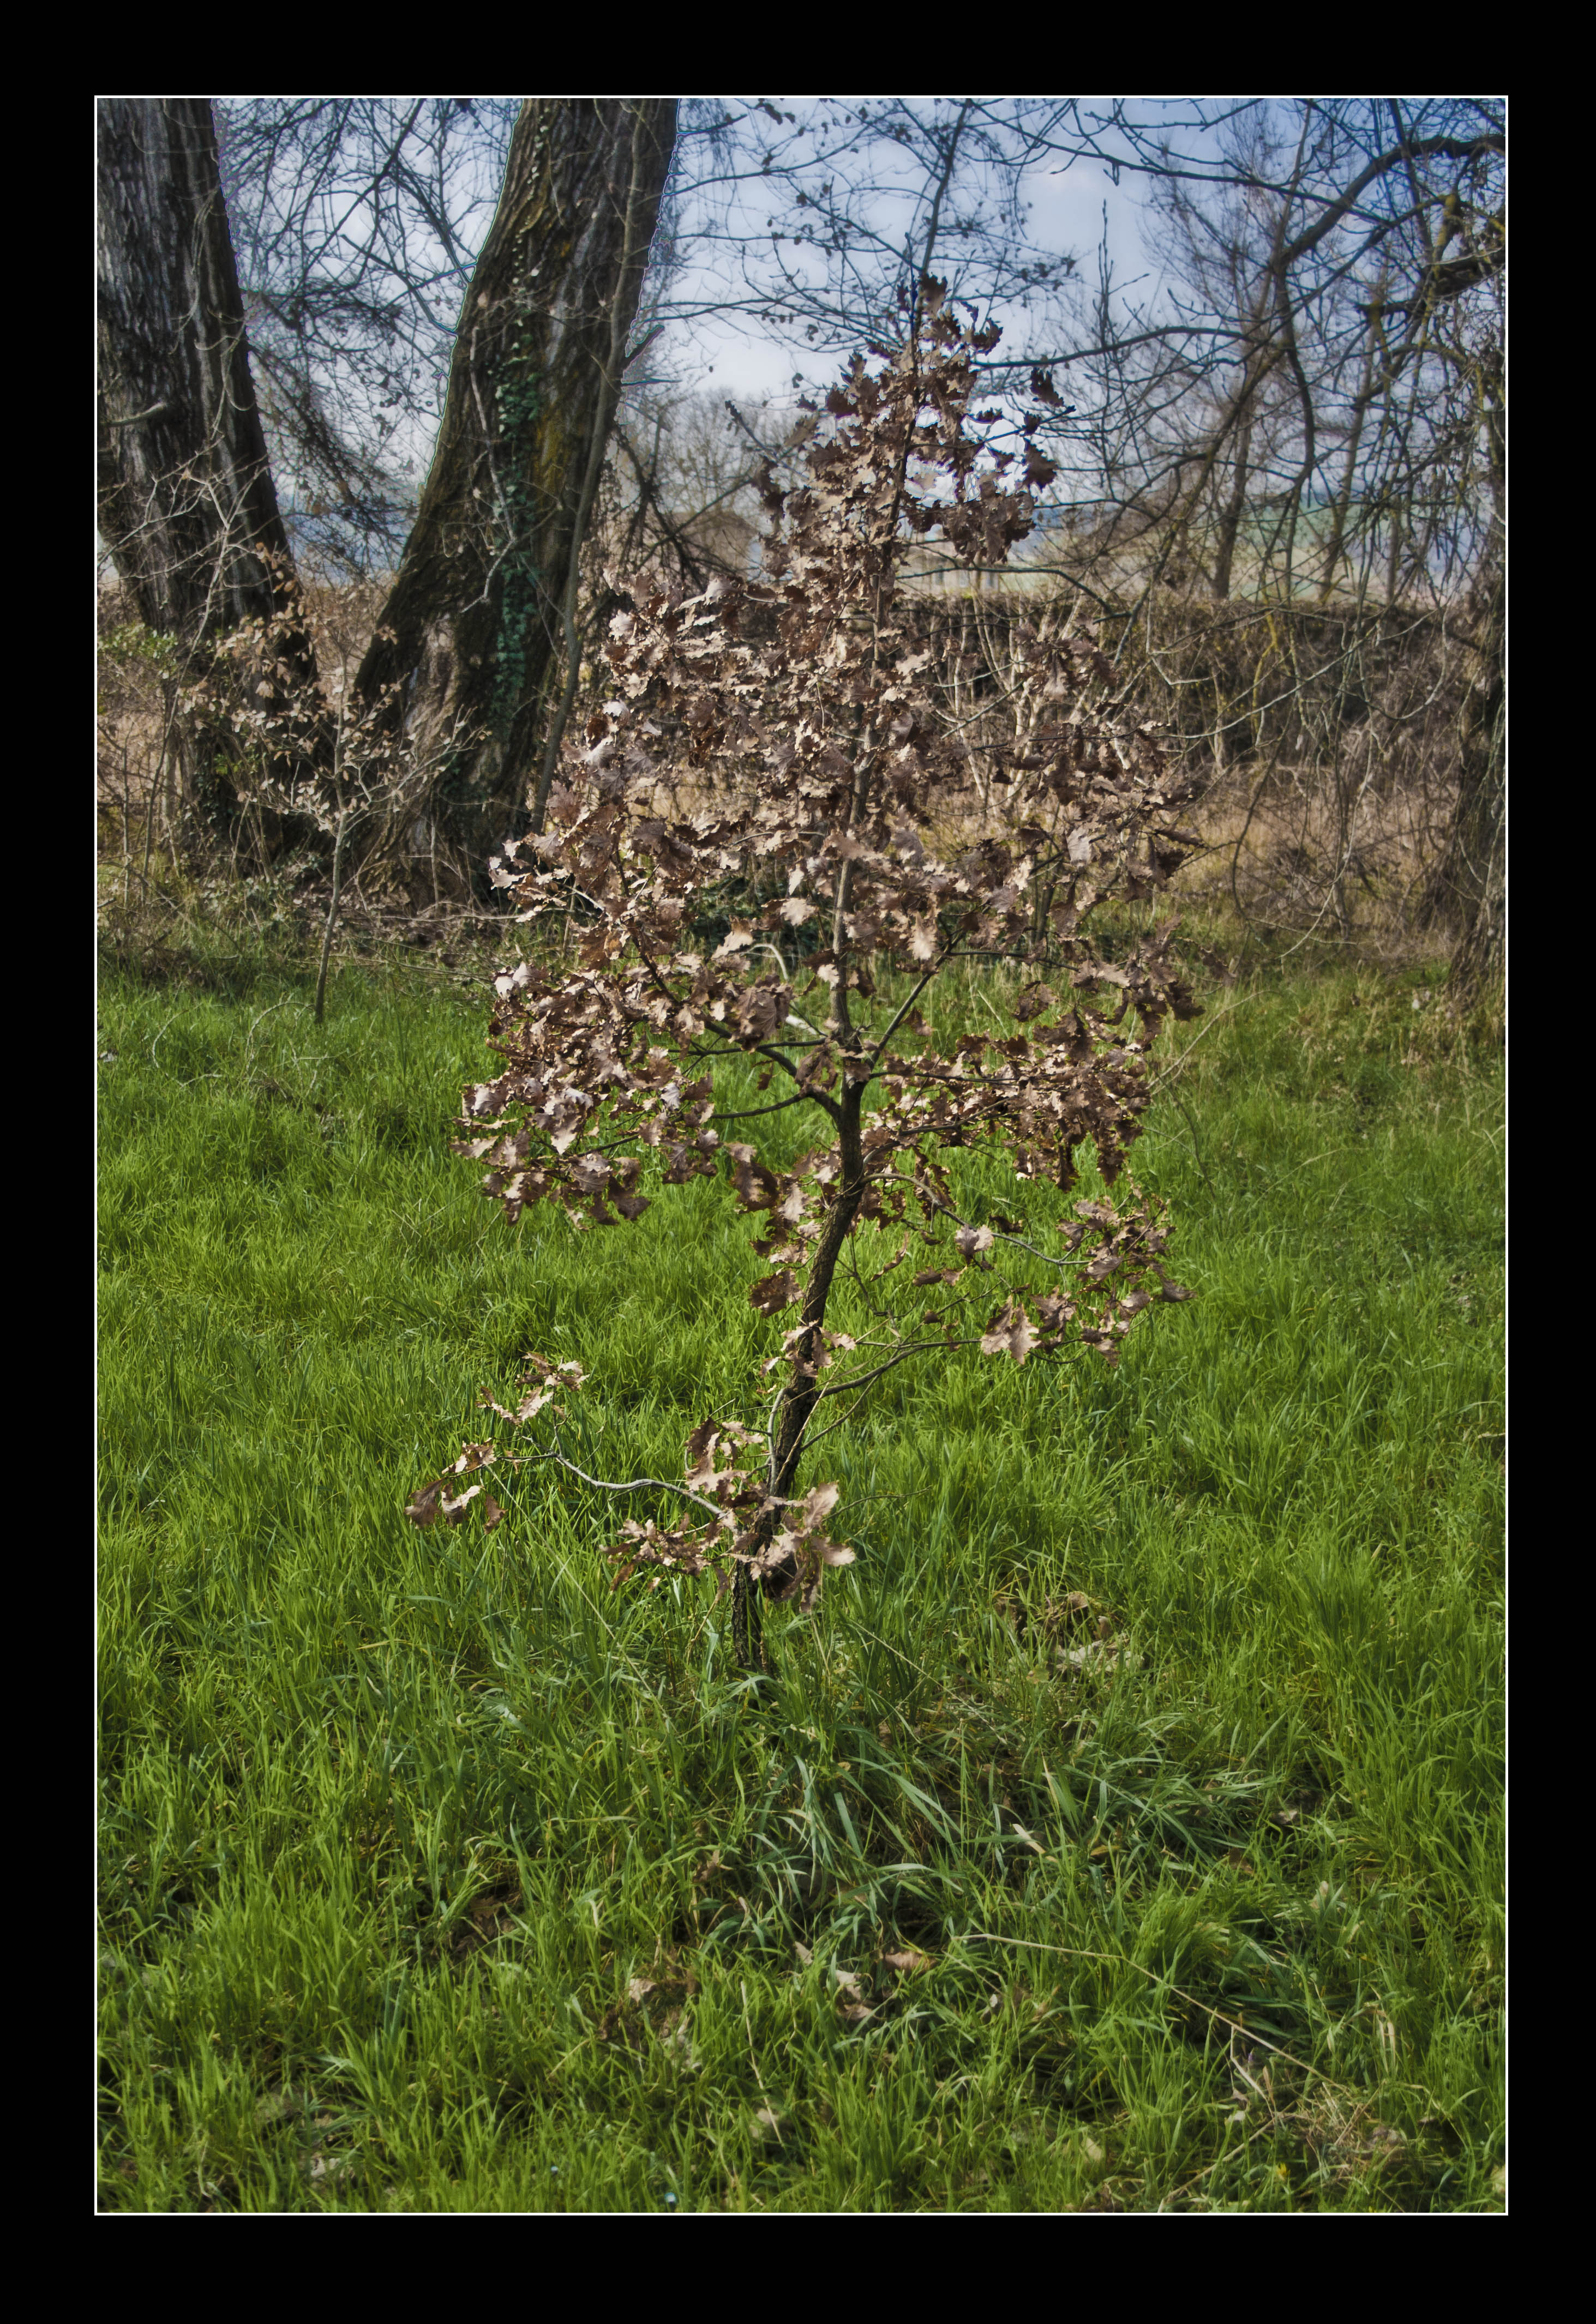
(1329, 750)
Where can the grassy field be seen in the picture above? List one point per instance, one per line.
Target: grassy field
(1123, 1832)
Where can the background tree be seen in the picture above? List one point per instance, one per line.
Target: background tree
(1308, 411)
(1297, 419)
(818, 224)
(356, 222)
(186, 502)
(1291, 415)
(482, 614)
(1308, 238)
(482, 606)
(682, 490)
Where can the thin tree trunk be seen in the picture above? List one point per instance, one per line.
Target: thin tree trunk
(1472, 881)
(803, 1392)
(1365, 396)
(1230, 521)
(1470, 887)
(474, 629)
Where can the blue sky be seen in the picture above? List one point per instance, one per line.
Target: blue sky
(1072, 208)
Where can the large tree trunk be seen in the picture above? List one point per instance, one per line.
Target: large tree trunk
(477, 633)
(186, 499)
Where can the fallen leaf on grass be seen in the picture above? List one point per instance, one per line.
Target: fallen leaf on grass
(850, 2003)
(678, 2043)
(1102, 1654)
(906, 1961)
(1075, 1612)
(487, 1919)
(655, 2006)
(330, 2170)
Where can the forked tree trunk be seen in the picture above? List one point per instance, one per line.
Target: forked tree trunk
(480, 617)
(187, 503)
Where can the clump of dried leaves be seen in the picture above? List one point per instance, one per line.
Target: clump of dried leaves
(811, 717)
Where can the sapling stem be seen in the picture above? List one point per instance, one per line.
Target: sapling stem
(332, 908)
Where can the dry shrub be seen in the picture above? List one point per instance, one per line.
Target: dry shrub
(831, 743)
(1327, 741)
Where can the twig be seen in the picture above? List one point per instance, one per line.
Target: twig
(636, 1485)
(909, 1004)
(864, 1381)
(1177, 1066)
(998, 1234)
(748, 1112)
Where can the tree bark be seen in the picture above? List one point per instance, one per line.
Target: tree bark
(1473, 880)
(480, 622)
(1231, 515)
(1471, 885)
(802, 1393)
(186, 502)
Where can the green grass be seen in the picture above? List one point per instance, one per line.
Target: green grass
(395, 1824)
